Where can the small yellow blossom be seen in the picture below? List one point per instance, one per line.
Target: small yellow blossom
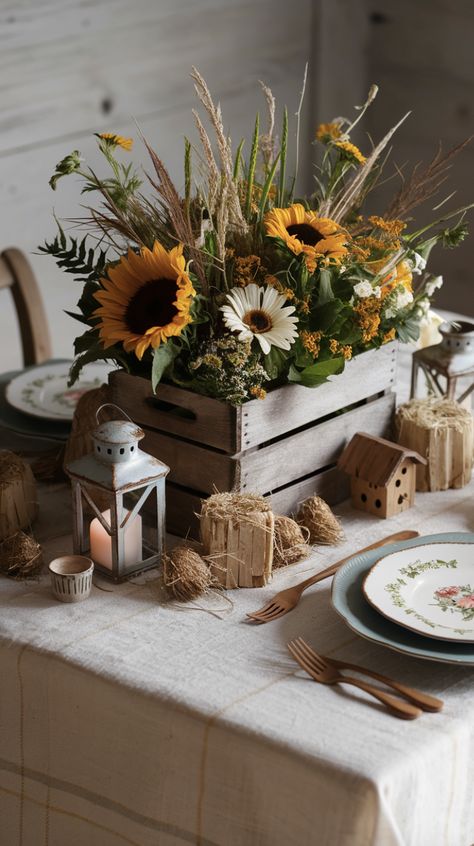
(116, 140)
(389, 336)
(346, 351)
(368, 317)
(288, 293)
(311, 342)
(334, 346)
(393, 228)
(352, 151)
(245, 270)
(328, 132)
(258, 392)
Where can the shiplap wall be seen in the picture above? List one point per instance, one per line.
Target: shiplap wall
(69, 68)
(420, 52)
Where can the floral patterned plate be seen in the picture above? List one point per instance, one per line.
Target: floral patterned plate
(428, 589)
(43, 391)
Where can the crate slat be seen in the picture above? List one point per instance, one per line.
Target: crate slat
(191, 465)
(294, 406)
(188, 415)
(318, 446)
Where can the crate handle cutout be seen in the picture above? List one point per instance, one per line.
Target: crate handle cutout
(171, 408)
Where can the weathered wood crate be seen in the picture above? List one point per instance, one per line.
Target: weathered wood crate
(285, 446)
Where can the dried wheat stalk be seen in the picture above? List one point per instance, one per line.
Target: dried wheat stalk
(423, 184)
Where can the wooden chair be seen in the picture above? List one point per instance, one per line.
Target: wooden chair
(17, 274)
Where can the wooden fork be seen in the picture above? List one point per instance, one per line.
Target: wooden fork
(288, 599)
(324, 673)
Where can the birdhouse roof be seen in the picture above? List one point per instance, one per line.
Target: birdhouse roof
(375, 459)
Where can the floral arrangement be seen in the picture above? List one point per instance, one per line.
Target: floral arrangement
(237, 285)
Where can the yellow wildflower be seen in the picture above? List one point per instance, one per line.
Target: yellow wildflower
(288, 293)
(368, 317)
(258, 392)
(328, 132)
(113, 140)
(303, 306)
(334, 346)
(393, 228)
(389, 336)
(351, 150)
(245, 270)
(310, 341)
(347, 352)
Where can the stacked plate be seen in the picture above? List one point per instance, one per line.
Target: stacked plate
(38, 401)
(416, 598)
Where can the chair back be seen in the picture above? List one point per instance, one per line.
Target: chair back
(17, 274)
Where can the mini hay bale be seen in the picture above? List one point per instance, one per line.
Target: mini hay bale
(186, 576)
(316, 516)
(289, 542)
(237, 533)
(20, 556)
(18, 499)
(442, 432)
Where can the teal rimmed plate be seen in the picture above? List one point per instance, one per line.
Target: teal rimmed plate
(349, 602)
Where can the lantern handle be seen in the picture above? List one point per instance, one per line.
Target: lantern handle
(111, 405)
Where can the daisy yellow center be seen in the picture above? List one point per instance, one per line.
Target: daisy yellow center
(305, 233)
(152, 305)
(258, 321)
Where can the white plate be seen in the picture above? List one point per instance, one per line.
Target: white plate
(43, 392)
(428, 589)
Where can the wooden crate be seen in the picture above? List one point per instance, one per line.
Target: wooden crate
(285, 446)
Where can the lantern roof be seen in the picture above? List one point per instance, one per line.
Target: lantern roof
(118, 432)
(118, 476)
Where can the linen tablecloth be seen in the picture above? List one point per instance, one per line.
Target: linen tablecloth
(124, 720)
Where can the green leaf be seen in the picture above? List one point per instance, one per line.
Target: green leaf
(325, 289)
(409, 330)
(323, 316)
(267, 186)
(316, 373)
(238, 161)
(95, 353)
(163, 356)
(251, 171)
(275, 362)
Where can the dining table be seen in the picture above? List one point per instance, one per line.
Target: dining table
(132, 719)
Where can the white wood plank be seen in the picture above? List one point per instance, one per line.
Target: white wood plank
(293, 407)
(299, 455)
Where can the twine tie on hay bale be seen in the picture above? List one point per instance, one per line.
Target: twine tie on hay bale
(290, 542)
(18, 498)
(316, 516)
(237, 533)
(21, 557)
(441, 430)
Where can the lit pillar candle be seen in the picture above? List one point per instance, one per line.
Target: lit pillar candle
(101, 542)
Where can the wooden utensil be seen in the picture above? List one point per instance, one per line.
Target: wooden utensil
(324, 673)
(423, 700)
(288, 599)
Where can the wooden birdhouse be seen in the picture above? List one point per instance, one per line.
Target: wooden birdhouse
(383, 474)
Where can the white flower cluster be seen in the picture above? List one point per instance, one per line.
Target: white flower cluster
(366, 289)
(417, 263)
(433, 284)
(397, 301)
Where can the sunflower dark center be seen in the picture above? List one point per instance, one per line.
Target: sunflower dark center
(152, 305)
(305, 233)
(258, 321)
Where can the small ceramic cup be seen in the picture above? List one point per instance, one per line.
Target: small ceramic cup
(71, 577)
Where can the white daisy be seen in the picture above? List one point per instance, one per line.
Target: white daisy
(260, 313)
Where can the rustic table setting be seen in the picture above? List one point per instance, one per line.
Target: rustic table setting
(126, 719)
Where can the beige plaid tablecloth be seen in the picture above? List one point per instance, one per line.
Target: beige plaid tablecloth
(127, 721)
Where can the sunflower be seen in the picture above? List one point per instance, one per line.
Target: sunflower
(113, 140)
(351, 151)
(146, 299)
(260, 313)
(304, 232)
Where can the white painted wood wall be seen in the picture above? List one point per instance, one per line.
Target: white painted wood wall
(69, 68)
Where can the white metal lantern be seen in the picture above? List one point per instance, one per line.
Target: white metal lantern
(118, 468)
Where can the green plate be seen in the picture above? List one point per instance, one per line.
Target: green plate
(349, 602)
